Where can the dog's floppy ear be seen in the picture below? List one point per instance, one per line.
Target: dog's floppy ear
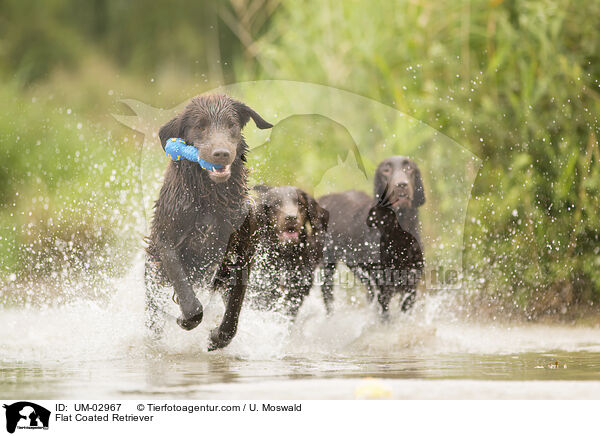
(261, 205)
(382, 191)
(380, 216)
(245, 113)
(419, 195)
(317, 216)
(380, 185)
(375, 216)
(171, 129)
(372, 217)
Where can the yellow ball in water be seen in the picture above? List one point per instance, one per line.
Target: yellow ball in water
(372, 389)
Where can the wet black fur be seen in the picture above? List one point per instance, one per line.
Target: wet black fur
(201, 227)
(381, 245)
(284, 273)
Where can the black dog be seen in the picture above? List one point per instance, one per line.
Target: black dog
(203, 221)
(379, 242)
(290, 228)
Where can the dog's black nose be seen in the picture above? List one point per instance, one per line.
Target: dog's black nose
(291, 218)
(221, 153)
(402, 185)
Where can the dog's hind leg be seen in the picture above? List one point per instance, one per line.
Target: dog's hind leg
(363, 274)
(232, 277)
(157, 299)
(293, 301)
(327, 286)
(384, 297)
(408, 299)
(298, 285)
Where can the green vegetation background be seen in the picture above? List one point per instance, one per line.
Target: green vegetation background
(516, 82)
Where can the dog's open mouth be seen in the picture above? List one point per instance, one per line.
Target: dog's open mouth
(289, 234)
(400, 199)
(220, 173)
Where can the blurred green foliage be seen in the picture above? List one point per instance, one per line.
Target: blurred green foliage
(515, 81)
(37, 37)
(301, 150)
(61, 201)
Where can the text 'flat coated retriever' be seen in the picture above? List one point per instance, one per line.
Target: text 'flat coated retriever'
(204, 223)
(378, 239)
(290, 231)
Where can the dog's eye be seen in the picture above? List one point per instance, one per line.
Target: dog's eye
(203, 124)
(230, 124)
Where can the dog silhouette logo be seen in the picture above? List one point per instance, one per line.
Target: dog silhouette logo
(329, 140)
(26, 415)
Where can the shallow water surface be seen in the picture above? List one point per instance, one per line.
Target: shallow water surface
(91, 349)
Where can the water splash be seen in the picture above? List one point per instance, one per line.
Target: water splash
(103, 329)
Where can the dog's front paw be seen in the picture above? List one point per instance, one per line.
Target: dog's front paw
(218, 339)
(192, 317)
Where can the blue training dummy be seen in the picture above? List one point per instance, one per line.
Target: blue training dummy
(176, 148)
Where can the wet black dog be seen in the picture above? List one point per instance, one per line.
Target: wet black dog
(290, 228)
(204, 226)
(378, 239)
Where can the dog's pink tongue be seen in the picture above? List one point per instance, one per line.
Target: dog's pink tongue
(290, 235)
